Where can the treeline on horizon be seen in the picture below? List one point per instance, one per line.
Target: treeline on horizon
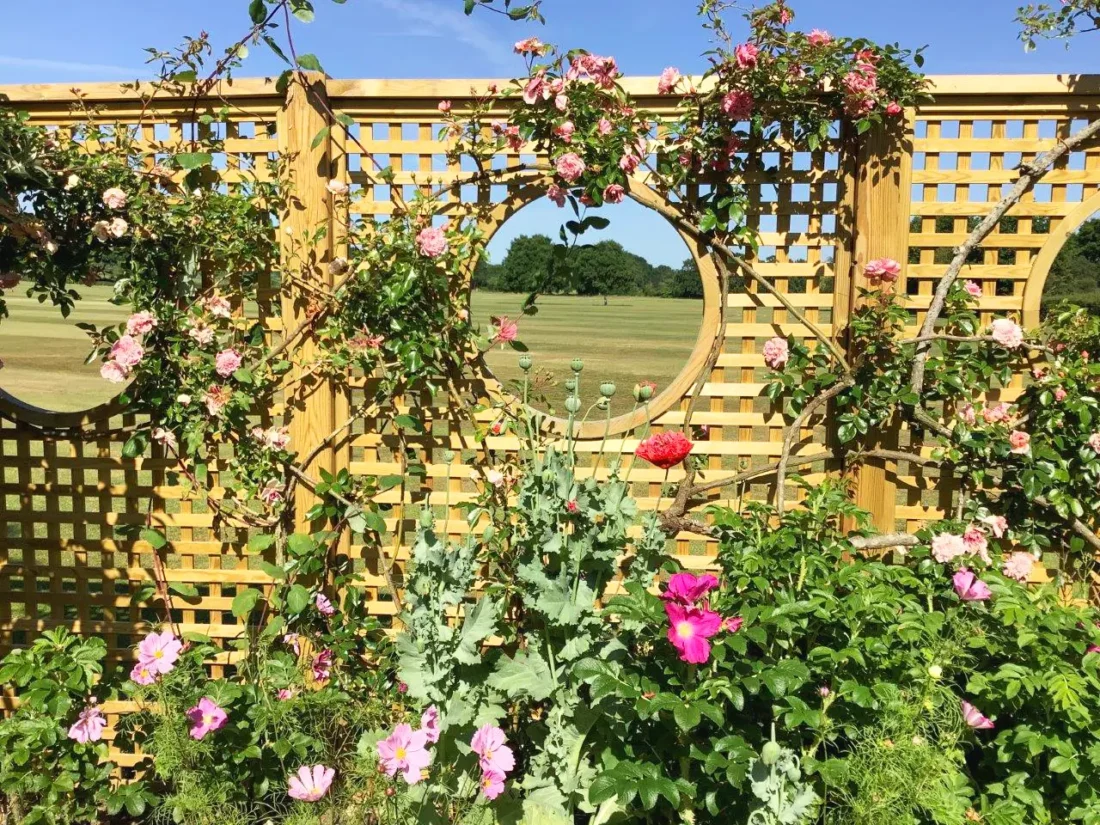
(603, 268)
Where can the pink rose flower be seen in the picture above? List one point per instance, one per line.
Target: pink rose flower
(201, 334)
(337, 188)
(974, 717)
(969, 587)
(976, 544)
(492, 784)
(1020, 442)
(432, 242)
(216, 398)
(118, 227)
(628, 163)
(227, 362)
(776, 353)
(114, 372)
(534, 89)
(668, 80)
(561, 103)
(142, 675)
(738, 104)
(285, 695)
(88, 726)
(570, 167)
(973, 289)
(732, 624)
(687, 588)
(1094, 442)
(140, 323)
(165, 436)
(532, 45)
(746, 55)
(819, 37)
(114, 198)
(127, 352)
(882, 270)
(507, 330)
(893, 109)
(967, 413)
(206, 717)
(429, 723)
(310, 784)
(565, 131)
(324, 606)
(1007, 333)
(404, 751)
(493, 754)
(947, 546)
(1018, 566)
(218, 306)
(556, 194)
(101, 230)
(444, 107)
(159, 652)
(689, 630)
(996, 414)
(604, 127)
(998, 524)
(614, 193)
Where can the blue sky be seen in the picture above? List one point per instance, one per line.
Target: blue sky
(72, 41)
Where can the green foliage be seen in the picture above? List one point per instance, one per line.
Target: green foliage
(1074, 276)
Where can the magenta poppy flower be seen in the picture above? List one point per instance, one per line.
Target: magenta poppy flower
(159, 652)
(975, 718)
(689, 631)
(206, 717)
(492, 784)
(970, 588)
(493, 754)
(310, 784)
(687, 588)
(405, 751)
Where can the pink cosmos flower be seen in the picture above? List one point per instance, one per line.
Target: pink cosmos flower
(556, 194)
(324, 606)
(492, 784)
(215, 399)
(140, 323)
(732, 624)
(614, 193)
(114, 198)
(142, 675)
(668, 80)
(493, 754)
(89, 726)
(776, 353)
(1018, 566)
(322, 665)
(114, 372)
(819, 37)
(431, 241)
(227, 362)
(285, 695)
(1094, 442)
(969, 587)
(565, 131)
(218, 306)
(507, 330)
(1060, 394)
(893, 109)
(947, 546)
(444, 107)
(570, 166)
(206, 717)
(159, 652)
(998, 524)
(404, 751)
(973, 289)
(974, 717)
(687, 588)
(127, 352)
(738, 104)
(310, 784)
(689, 631)
(746, 55)
(882, 270)
(996, 414)
(429, 723)
(1007, 333)
(1020, 442)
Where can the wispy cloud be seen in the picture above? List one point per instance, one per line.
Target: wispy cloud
(66, 66)
(432, 19)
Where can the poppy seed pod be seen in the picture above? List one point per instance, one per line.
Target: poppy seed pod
(572, 403)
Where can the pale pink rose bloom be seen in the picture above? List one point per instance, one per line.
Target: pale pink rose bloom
(738, 104)
(974, 717)
(337, 187)
(1060, 394)
(215, 399)
(973, 289)
(1007, 333)
(1020, 442)
(160, 651)
(9, 280)
(996, 414)
(493, 754)
(404, 751)
(532, 92)
(444, 107)
(967, 413)
(218, 306)
(776, 353)
(114, 198)
(570, 166)
(507, 330)
(604, 127)
(1018, 566)
(118, 227)
(556, 194)
(819, 37)
(227, 362)
(882, 270)
(668, 80)
(628, 163)
(464, 314)
(127, 352)
(324, 606)
(746, 55)
(201, 334)
(89, 726)
(997, 524)
(948, 546)
(142, 675)
(431, 241)
(976, 544)
(114, 372)
(494, 477)
(165, 437)
(492, 784)
(102, 231)
(429, 723)
(277, 438)
(893, 109)
(614, 193)
(141, 322)
(272, 492)
(969, 587)
(1094, 442)
(532, 45)
(785, 16)
(206, 717)
(310, 784)
(561, 103)
(565, 131)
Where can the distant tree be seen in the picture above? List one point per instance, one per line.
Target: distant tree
(527, 264)
(685, 282)
(1075, 274)
(606, 268)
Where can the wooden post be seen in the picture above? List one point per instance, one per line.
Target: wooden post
(882, 181)
(310, 402)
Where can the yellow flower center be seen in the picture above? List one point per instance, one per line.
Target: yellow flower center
(159, 654)
(685, 630)
(401, 753)
(488, 754)
(207, 719)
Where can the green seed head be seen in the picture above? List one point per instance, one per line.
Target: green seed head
(607, 389)
(572, 404)
(577, 365)
(525, 362)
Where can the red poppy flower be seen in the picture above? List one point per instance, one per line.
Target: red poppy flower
(665, 450)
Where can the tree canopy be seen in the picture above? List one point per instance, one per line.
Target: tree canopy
(1075, 274)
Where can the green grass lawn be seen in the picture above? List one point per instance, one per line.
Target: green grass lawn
(44, 354)
(631, 339)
